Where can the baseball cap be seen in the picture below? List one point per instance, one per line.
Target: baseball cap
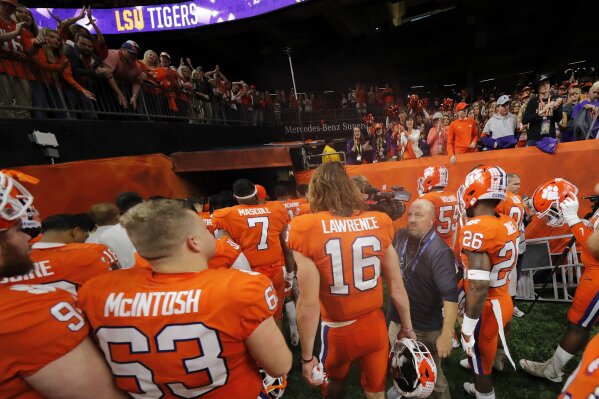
(131, 47)
(261, 191)
(437, 115)
(461, 106)
(503, 99)
(165, 54)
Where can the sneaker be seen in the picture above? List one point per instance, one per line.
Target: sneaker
(294, 336)
(465, 364)
(541, 370)
(469, 388)
(518, 313)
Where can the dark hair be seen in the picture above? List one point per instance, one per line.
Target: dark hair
(66, 221)
(224, 199)
(410, 116)
(127, 200)
(243, 188)
(281, 191)
(187, 203)
(157, 197)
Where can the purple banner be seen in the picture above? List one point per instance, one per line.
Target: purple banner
(188, 15)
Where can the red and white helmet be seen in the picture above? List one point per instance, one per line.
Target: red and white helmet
(434, 176)
(548, 196)
(14, 198)
(413, 369)
(272, 387)
(484, 182)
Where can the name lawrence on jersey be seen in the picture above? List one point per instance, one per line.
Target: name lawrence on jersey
(145, 304)
(349, 225)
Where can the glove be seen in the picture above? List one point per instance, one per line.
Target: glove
(569, 209)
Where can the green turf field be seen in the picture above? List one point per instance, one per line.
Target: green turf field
(534, 337)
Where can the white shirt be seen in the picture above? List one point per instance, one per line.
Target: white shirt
(95, 236)
(116, 238)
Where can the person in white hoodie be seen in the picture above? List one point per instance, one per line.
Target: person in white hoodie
(499, 131)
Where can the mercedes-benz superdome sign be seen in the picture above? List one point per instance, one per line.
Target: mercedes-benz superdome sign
(188, 15)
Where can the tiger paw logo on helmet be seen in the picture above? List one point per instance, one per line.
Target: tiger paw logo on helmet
(550, 193)
(429, 171)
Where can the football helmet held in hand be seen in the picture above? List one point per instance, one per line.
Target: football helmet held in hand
(547, 198)
(412, 368)
(272, 387)
(434, 176)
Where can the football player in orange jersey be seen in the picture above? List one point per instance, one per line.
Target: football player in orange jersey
(431, 186)
(584, 381)
(489, 251)
(45, 350)
(62, 258)
(557, 203)
(182, 329)
(260, 230)
(341, 251)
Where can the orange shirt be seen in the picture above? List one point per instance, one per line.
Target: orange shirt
(38, 324)
(66, 266)
(497, 237)
(228, 254)
(582, 233)
(207, 217)
(348, 252)
(293, 206)
(304, 209)
(460, 134)
(513, 207)
(584, 381)
(257, 229)
(446, 214)
(180, 335)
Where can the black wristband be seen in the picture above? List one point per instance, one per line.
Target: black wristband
(304, 361)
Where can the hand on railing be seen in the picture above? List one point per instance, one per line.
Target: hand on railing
(89, 94)
(133, 102)
(123, 101)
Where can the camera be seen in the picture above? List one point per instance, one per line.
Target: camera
(390, 202)
(594, 203)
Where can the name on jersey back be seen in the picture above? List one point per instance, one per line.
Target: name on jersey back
(349, 225)
(144, 304)
(40, 269)
(253, 211)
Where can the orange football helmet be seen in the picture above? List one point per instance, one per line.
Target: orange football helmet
(272, 388)
(434, 176)
(484, 182)
(412, 368)
(548, 196)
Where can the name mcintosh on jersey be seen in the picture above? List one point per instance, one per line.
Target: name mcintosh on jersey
(144, 304)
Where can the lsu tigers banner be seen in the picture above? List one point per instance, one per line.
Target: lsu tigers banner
(188, 15)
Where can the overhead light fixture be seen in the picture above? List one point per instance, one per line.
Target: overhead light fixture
(416, 87)
(419, 17)
(328, 91)
(449, 85)
(577, 62)
(487, 80)
(524, 73)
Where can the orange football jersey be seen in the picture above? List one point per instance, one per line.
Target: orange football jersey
(513, 207)
(228, 254)
(257, 229)
(38, 324)
(207, 217)
(180, 335)
(496, 236)
(293, 206)
(348, 252)
(304, 209)
(584, 381)
(66, 266)
(446, 214)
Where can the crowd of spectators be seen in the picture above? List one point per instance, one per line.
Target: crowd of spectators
(68, 72)
(542, 116)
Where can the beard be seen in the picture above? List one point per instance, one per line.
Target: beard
(14, 262)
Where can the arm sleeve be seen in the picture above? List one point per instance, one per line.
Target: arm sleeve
(42, 60)
(67, 75)
(255, 300)
(443, 268)
(581, 232)
(557, 114)
(450, 141)
(487, 127)
(432, 136)
(110, 63)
